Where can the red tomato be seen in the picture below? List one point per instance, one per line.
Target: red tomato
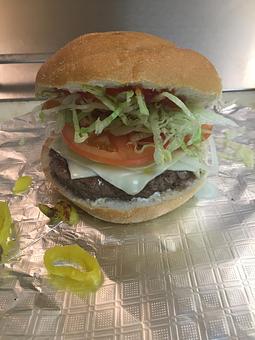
(114, 91)
(88, 96)
(206, 132)
(148, 94)
(62, 92)
(116, 150)
(108, 149)
(50, 103)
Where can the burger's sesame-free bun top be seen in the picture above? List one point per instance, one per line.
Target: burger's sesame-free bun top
(115, 59)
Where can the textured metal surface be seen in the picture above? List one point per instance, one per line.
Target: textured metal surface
(187, 275)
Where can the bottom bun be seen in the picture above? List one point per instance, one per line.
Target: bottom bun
(124, 212)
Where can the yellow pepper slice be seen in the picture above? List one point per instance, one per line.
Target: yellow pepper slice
(73, 262)
(5, 228)
(62, 211)
(22, 184)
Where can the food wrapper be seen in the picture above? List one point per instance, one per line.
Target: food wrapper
(187, 275)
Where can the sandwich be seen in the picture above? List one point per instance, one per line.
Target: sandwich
(133, 124)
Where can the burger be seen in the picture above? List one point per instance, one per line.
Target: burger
(132, 127)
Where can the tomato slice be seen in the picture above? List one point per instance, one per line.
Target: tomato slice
(206, 130)
(116, 150)
(108, 149)
(206, 133)
(149, 94)
(114, 91)
(50, 103)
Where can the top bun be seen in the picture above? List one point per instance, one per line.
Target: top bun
(114, 59)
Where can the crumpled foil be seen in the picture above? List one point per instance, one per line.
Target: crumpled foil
(187, 275)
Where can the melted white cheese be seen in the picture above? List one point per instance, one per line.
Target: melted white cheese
(130, 180)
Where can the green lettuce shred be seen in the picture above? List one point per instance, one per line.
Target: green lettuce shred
(160, 154)
(100, 125)
(171, 128)
(129, 96)
(42, 116)
(99, 94)
(177, 102)
(236, 152)
(141, 103)
(79, 135)
(210, 117)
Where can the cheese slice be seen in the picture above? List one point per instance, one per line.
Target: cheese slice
(130, 180)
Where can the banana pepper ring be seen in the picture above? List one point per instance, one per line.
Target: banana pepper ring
(5, 228)
(75, 263)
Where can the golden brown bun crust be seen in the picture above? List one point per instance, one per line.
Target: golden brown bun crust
(124, 58)
(123, 216)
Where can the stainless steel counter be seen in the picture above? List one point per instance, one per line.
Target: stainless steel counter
(221, 30)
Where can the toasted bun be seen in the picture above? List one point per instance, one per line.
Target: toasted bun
(114, 59)
(137, 210)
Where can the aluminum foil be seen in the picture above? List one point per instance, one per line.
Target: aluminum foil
(187, 275)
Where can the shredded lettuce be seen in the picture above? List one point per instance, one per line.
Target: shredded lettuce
(97, 126)
(99, 94)
(100, 125)
(79, 136)
(237, 152)
(129, 95)
(42, 116)
(161, 155)
(214, 168)
(177, 102)
(141, 103)
(60, 122)
(128, 111)
(210, 117)
(234, 133)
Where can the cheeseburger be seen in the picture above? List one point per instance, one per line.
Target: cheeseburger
(132, 124)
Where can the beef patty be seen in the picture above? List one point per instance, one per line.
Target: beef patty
(96, 187)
